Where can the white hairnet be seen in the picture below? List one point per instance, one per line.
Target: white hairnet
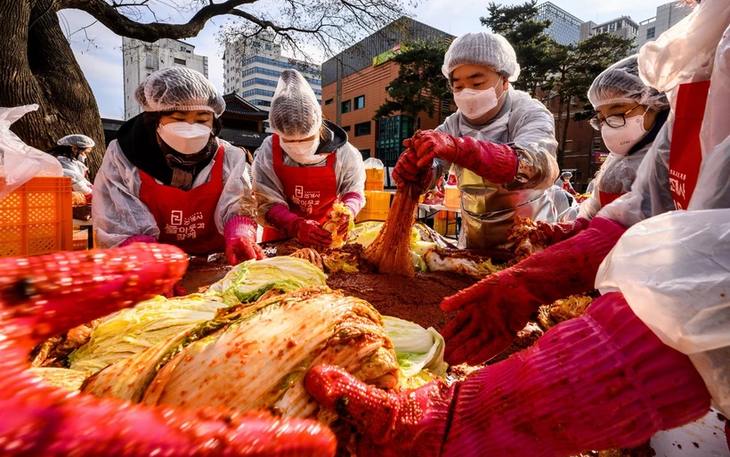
(620, 83)
(179, 89)
(78, 140)
(482, 48)
(295, 112)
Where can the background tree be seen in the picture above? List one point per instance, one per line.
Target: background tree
(578, 65)
(420, 86)
(38, 66)
(526, 33)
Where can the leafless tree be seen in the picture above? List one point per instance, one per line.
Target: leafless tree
(37, 64)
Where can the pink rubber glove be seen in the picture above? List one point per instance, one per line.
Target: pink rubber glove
(548, 234)
(407, 170)
(601, 381)
(138, 239)
(492, 161)
(497, 307)
(308, 232)
(240, 235)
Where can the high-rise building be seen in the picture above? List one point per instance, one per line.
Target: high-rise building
(667, 16)
(622, 27)
(252, 68)
(141, 59)
(564, 27)
(355, 85)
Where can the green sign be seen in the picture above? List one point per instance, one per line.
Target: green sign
(388, 55)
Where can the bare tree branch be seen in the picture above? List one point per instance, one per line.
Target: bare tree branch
(118, 23)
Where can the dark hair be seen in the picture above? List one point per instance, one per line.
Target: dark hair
(152, 120)
(63, 151)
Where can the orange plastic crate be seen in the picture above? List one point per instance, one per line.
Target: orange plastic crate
(36, 218)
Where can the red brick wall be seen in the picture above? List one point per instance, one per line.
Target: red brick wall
(372, 83)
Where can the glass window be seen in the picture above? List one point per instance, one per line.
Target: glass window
(650, 32)
(180, 61)
(365, 153)
(360, 102)
(328, 101)
(362, 129)
(346, 128)
(267, 47)
(346, 106)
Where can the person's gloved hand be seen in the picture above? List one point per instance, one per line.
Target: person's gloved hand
(581, 387)
(343, 227)
(310, 233)
(177, 290)
(548, 233)
(138, 239)
(89, 197)
(407, 170)
(492, 161)
(492, 311)
(240, 235)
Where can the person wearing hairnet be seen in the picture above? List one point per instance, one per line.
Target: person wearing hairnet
(564, 182)
(501, 141)
(306, 167)
(169, 178)
(629, 116)
(71, 152)
(624, 370)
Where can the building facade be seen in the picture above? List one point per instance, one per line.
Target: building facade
(252, 69)
(622, 27)
(564, 27)
(355, 85)
(667, 16)
(141, 59)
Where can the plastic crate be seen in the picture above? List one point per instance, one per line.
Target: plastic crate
(36, 218)
(377, 205)
(374, 179)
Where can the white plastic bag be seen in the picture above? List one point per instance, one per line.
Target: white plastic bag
(19, 163)
(674, 271)
(373, 162)
(684, 52)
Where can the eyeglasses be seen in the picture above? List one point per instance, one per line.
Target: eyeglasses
(614, 121)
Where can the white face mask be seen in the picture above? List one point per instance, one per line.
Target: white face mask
(303, 152)
(476, 103)
(82, 158)
(185, 138)
(621, 140)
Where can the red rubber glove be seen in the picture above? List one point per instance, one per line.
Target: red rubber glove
(240, 235)
(548, 234)
(89, 197)
(308, 232)
(497, 307)
(407, 170)
(492, 161)
(601, 381)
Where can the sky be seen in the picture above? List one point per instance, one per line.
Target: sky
(99, 51)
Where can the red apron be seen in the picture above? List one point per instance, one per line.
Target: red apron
(685, 154)
(310, 191)
(187, 218)
(606, 199)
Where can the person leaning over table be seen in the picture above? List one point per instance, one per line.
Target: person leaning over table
(168, 178)
(501, 141)
(307, 166)
(648, 355)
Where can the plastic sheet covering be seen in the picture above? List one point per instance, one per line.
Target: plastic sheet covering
(684, 53)
(19, 163)
(674, 271)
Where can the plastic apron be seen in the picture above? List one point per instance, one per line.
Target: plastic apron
(685, 154)
(489, 210)
(310, 192)
(187, 218)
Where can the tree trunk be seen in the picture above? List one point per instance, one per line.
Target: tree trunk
(561, 103)
(561, 157)
(37, 66)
